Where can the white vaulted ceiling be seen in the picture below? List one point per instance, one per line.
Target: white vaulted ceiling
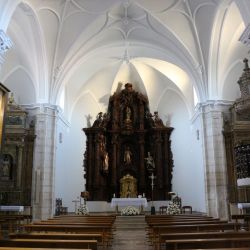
(71, 49)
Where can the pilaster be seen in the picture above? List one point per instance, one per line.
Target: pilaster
(211, 114)
(43, 186)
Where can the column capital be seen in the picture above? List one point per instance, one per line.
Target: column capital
(214, 105)
(210, 106)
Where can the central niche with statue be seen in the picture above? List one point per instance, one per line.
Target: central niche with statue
(122, 144)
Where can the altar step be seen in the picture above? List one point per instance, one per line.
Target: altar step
(130, 233)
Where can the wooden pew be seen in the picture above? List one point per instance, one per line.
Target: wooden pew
(104, 230)
(50, 243)
(244, 217)
(28, 248)
(66, 236)
(169, 223)
(13, 222)
(70, 223)
(207, 243)
(76, 224)
(178, 216)
(196, 227)
(224, 248)
(157, 230)
(80, 217)
(200, 235)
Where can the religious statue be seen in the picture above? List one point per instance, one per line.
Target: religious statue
(150, 161)
(11, 99)
(105, 119)
(127, 156)
(6, 167)
(128, 114)
(150, 119)
(88, 118)
(105, 162)
(157, 120)
(98, 120)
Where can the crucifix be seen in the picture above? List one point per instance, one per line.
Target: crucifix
(152, 177)
(76, 201)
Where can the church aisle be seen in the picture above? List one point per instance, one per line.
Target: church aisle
(130, 233)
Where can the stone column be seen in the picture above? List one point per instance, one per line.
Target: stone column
(211, 116)
(43, 186)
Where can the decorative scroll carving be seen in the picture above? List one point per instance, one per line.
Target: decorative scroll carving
(242, 161)
(243, 104)
(5, 44)
(245, 37)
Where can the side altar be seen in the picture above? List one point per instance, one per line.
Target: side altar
(122, 144)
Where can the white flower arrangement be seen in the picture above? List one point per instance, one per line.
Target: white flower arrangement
(129, 211)
(173, 208)
(83, 210)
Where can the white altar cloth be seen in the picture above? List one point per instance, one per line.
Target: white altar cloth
(123, 202)
(243, 205)
(12, 208)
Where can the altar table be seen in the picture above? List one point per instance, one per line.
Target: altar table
(243, 206)
(123, 202)
(12, 208)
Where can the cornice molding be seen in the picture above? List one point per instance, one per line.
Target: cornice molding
(43, 107)
(210, 106)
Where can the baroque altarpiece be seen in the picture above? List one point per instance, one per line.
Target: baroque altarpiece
(122, 145)
(237, 141)
(17, 157)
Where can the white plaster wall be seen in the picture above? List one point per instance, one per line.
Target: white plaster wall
(188, 172)
(69, 180)
(22, 86)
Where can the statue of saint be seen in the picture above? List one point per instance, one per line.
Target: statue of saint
(150, 164)
(127, 156)
(158, 121)
(128, 114)
(88, 118)
(106, 162)
(6, 167)
(98, 120)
